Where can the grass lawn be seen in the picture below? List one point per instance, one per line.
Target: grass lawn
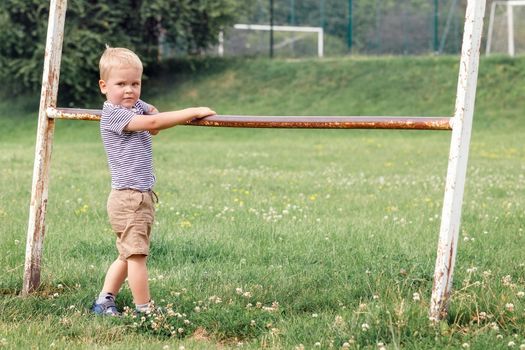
(282, 239)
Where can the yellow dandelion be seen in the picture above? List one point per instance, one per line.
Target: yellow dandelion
(185, 224)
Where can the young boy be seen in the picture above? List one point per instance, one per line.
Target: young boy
(126, 127)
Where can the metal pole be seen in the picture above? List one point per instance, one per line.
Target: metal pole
(292, 23)
(436, 25)
(510, 29)
(292, 12)
(294, 122)
(491, 28)
(321, 13)
(458, 158)
(451, 11)
(350, 25)
(44, 143)
(271, 28)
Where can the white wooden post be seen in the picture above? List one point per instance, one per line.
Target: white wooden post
(44, 143)
(458, 157)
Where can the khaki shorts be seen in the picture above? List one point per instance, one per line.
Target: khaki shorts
(131, 215)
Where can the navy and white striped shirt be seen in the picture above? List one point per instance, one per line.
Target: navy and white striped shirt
(129, 153)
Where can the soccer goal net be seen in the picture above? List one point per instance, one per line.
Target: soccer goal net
(288, 41)
(506, 33)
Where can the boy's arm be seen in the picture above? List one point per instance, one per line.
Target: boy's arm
(167, 120)
(153, 110)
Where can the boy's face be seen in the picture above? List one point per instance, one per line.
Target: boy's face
(122, 86)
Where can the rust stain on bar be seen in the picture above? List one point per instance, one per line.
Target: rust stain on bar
(292, 122)
(317, 122)
(74, 114)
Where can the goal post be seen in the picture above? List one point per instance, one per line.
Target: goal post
(265, 27)
(509, 7)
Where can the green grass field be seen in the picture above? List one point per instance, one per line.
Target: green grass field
(282, 239)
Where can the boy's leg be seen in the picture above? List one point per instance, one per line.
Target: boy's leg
(138, 279)
(115, 276)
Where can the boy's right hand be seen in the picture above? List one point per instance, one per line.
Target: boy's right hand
(201, 112)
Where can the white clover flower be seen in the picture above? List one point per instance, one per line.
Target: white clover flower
(346, 345)
(465, 345)
(521, 294)
(339, 320)
(365, 327)
(506, 280)
(509, 307)
(416, 296)
(511, 344)
(317, 344)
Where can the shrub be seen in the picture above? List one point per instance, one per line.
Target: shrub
(189, 25)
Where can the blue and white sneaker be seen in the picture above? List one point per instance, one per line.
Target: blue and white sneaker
(107, 308)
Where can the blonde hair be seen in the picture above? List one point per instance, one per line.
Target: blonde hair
(114, 57)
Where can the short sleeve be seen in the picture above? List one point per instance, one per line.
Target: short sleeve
(145, 107)
(116, 118)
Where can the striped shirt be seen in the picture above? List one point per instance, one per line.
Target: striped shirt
(129, 153)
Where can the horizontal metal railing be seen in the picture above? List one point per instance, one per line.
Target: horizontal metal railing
(300, 122)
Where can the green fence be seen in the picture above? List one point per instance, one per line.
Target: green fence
(369, 27)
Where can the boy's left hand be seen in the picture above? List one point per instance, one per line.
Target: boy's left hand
(153, 110)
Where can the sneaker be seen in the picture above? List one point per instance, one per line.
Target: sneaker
(151, 309)
(107, 308)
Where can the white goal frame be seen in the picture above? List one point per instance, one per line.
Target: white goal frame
(510, 24)
(266, 27)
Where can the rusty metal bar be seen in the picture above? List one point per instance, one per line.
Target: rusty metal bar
(44, 143)
(458, 158)
(301, 122)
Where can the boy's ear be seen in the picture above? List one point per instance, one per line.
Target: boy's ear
(103, 86)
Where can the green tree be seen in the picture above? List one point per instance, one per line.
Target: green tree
(189, 25)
